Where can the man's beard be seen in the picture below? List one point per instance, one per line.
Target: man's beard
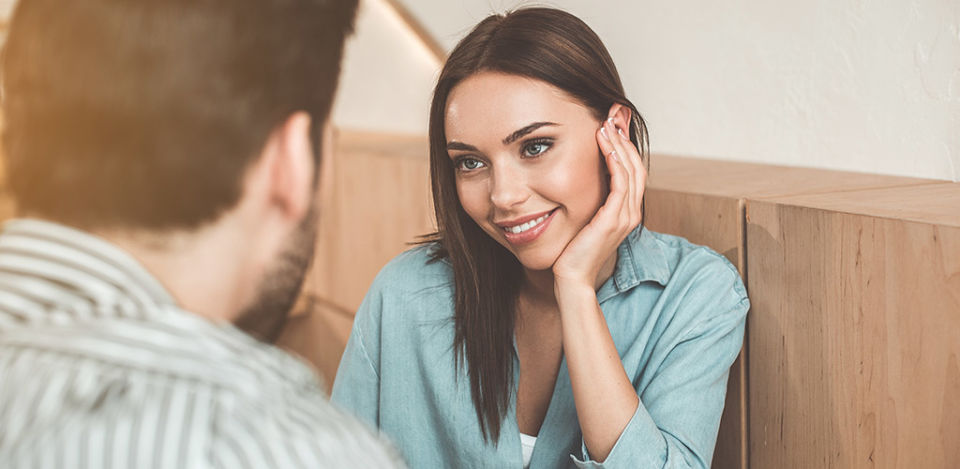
(280, 287)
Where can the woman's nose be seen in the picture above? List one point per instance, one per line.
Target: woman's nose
(508, 189)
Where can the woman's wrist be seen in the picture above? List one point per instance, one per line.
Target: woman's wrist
(563, 283)
(574, 294)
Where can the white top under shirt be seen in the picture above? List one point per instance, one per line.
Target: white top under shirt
(527, 442)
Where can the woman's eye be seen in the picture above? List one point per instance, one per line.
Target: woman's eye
(535, 148)
(469, 164)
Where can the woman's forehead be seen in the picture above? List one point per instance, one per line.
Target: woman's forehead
(490, 103)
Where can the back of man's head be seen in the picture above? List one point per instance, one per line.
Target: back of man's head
(146, 114)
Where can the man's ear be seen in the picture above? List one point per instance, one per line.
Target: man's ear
(620, 115)
(292, 168)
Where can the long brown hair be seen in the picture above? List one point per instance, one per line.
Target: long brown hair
(548, 45)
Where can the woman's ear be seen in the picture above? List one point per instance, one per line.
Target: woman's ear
(620, 116)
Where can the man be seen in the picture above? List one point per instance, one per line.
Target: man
(164, 157)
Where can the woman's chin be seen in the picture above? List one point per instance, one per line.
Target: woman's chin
(537, 262)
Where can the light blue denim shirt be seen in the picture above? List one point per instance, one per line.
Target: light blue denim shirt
(676, 312)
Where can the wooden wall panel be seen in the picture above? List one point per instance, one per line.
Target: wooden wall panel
(856, 316)
(703, 201)
(6, 202)
(374, 201)
(742, 180)
(319, 334)
(379, 202)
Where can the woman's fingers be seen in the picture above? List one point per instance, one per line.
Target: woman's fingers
(638, 177)
(619, 180)
(631, 161)
(623, 154)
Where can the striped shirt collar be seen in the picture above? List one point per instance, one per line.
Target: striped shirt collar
(80, 290)
(77, 259)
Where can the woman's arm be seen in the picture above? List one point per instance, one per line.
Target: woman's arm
(673, 423)
(604, 397)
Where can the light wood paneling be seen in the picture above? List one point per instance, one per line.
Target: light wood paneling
(319, 335)
(935, 203)
(379, 202)
(741, 180)
(703, 201)
(6, 202)
(856, 315)
(375, 199)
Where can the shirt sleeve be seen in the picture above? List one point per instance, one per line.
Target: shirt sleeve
(357, 384)
(295, 431)
(676, 423)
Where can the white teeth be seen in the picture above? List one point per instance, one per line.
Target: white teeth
(526, 226)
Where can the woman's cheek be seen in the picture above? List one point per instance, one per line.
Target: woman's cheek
(579, 184)
(471, 199)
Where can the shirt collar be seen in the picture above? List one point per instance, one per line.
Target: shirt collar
(640, 258)
(85, 264)
(103, 263)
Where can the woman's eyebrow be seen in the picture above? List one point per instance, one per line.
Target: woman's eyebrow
(525, 130)
(455, 145)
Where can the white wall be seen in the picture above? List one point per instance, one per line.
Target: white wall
(388, 74)
(861, 85)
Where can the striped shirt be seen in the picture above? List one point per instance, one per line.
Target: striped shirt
(100, 369)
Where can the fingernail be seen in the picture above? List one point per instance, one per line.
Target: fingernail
(603, 131)
(622, 135)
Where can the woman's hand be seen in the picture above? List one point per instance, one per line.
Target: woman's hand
(582, 261)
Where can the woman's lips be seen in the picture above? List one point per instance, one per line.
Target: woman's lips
(533, 230)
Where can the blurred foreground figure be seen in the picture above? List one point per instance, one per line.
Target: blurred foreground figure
(164, 156)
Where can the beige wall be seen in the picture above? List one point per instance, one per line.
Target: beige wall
(838, 84)
(387, 76)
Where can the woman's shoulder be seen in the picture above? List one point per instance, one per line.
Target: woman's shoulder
(416, 284)
(692, 267)
(417, 268)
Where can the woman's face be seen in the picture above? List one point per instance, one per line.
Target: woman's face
(528, 168)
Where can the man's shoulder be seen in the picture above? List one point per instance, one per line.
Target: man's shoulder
(300, 424)
(283, 423)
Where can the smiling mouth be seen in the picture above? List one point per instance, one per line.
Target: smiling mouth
(528, 231)
(526, 226)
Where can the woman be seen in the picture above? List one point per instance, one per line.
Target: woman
(543, 326)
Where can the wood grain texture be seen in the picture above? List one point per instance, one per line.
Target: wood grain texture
(703, 201)
(854, 339)
(935, 203)
(741, 180)
(6, 201)
(319, 334)
(374, 200)
(378, 203)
